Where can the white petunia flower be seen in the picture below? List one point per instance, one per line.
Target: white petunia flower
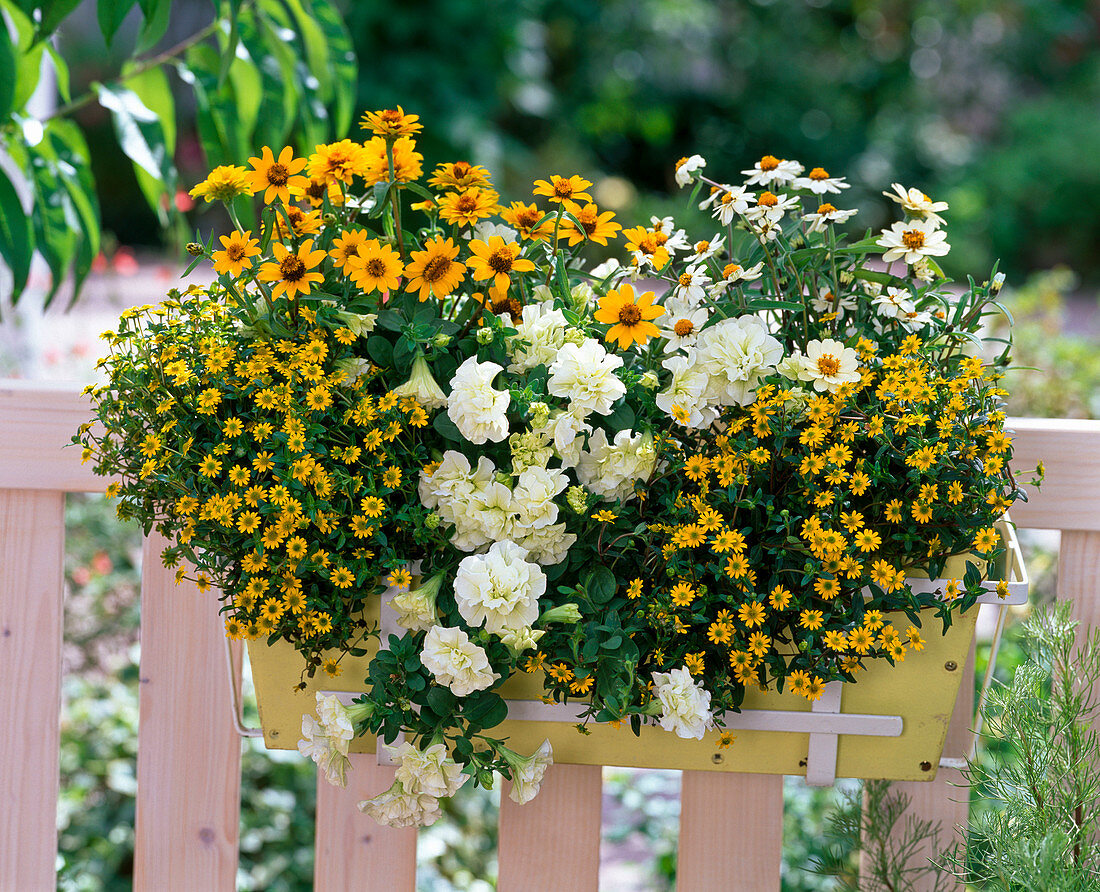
(330, 754)
(499, 590)
(819, 182)
(610, 470)
(548, 546)
(685, 167)
(485, 230)
(533, 496)
(685, 704)
(769, 170)
(912, 242)
(431, 771)
(422, 386)
(565, 430)
(527, 773)
(519, 640)
(585, 374)
(456, 662)
(397, 807)
(476, 408)
(416, 607)
(917, 204)
(829, 364)
(685, 398)
(543, 328)
(736, 354)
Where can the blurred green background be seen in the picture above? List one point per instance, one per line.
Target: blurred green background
(988, 104)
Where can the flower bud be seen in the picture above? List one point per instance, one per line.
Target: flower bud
(441, 340)
(997, 283)
(195, 249)
(563, 613)
(649, 381)
(432, 521)
(540, 414)
(577, 499)
(329, 219)
(485, 336)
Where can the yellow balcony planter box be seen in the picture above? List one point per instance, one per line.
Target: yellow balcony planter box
(890, 724)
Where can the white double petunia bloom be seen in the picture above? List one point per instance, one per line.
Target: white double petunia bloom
(527, 773)
(736, 354)
(499, 590)
(431, 771)
(456, 661)
(397, 807)
(478, 410)
(685, 704)
(585, 374)
(544, 329)
(610, 470)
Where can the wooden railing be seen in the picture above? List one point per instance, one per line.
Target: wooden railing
(188, 771)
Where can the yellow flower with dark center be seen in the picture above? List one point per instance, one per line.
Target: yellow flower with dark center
(560, 672)
(896, 651)
(338, 161)
(737, 566)
(779, 598)
(274, 176)
(239, 249)
(922, 513)
(594, 226)
(347, 245)
(725, 739)
(465, 208)
(562, 189)
(813, 688)
(234, 629)
(628, 315)
(406, 161)
(332, 667)
(696, 467)
(391, 122)
(811, 619)
(372, 506)
(399, 578)
(581, 685)
(458, 175)
(248, 522)
(859, 483)
(827, 588)
(376, 267)
(224, 183)
(751, 613)
(604, 516)
(342, 577)
(867, 540)
(496, 260)
(894, 512)
(682, 594)
(295, 273)
(634, 590)
(986, 539)
(316, 190)
(836, 640)
(526, 218)
(434, 271)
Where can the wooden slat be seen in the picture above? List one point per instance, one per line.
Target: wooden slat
(731, 832)
(353, 851)
(1079, 575)
(189, 756)
(38, 421)
(553, 842)
(945, 800)
(1070, 449)
(32, 544)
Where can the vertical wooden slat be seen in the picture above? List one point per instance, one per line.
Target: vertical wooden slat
(189, 756)
(32, 545)
(945, 800)
(1079, 575)
(352, 850)
(553, 842)
(731, 832)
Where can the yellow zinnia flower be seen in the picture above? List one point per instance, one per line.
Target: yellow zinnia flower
(292, 273)
(561, 189)
(239, 249)
(497, 260)
(224, 183)
(376, 267)
(434, 271)
(391, 122)
(628, 315)
(274, 176)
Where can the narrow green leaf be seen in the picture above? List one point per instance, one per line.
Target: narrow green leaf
(229, 47)
(111, 14)
(75, 174)
(247, 85)
(345, 65)
(53, 13)
(56, 222)
(316, 48)
(156, 14)
(153, 89)
(275, 65)
(61, 72)
(28, 70)
(7, 72)
(16, 238)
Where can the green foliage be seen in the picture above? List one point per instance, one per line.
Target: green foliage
(1040, 832)
(248, 71)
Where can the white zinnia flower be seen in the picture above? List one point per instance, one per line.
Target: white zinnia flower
(685, 167)
(912, 242)
(736, 353)
(456, 662)
(422, 386)
(691, 287)
(917, 204)
(527, 773)
(682, 325)
(585, 374)
(729, 202)
(431, 771)
(893, 303)
(675, 239)
(826, 214)
(771, 207)
(397, 807)
(819, 182)
(707, 248)
(829, 364)
(500, 589)
(685, 704)
(770, 169)
(476, 408)
(734, 273)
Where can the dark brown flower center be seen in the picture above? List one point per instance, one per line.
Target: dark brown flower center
(630, 315)
(235, 251)
(291, 268)
(435, 269)
(500, 261)
(277, 174)
(563, 188)
(376, 267)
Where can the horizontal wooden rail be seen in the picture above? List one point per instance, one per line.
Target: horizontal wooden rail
(38, 421)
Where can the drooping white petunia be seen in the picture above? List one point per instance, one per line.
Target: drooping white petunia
(422, 386)
(527, 773)
(397, 807)
(431, 771)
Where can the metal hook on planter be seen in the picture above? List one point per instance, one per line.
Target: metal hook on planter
(235, 696)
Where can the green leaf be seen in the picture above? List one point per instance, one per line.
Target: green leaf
(56, 222)
(111, 14)
(28, 70)
(75, 173)
(345, 66)
(380, 351)
(316, 47)
(53, 13)
(278, 98)
(7, 72)
(61, 72)
(142, 138)
(157, 13)
(622, 418)
(247, 86)
(228, 48)
(153, 89)
(599, 582)
(16, 238)
(446, 428)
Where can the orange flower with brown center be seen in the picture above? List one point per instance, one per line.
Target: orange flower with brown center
(628, 315)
